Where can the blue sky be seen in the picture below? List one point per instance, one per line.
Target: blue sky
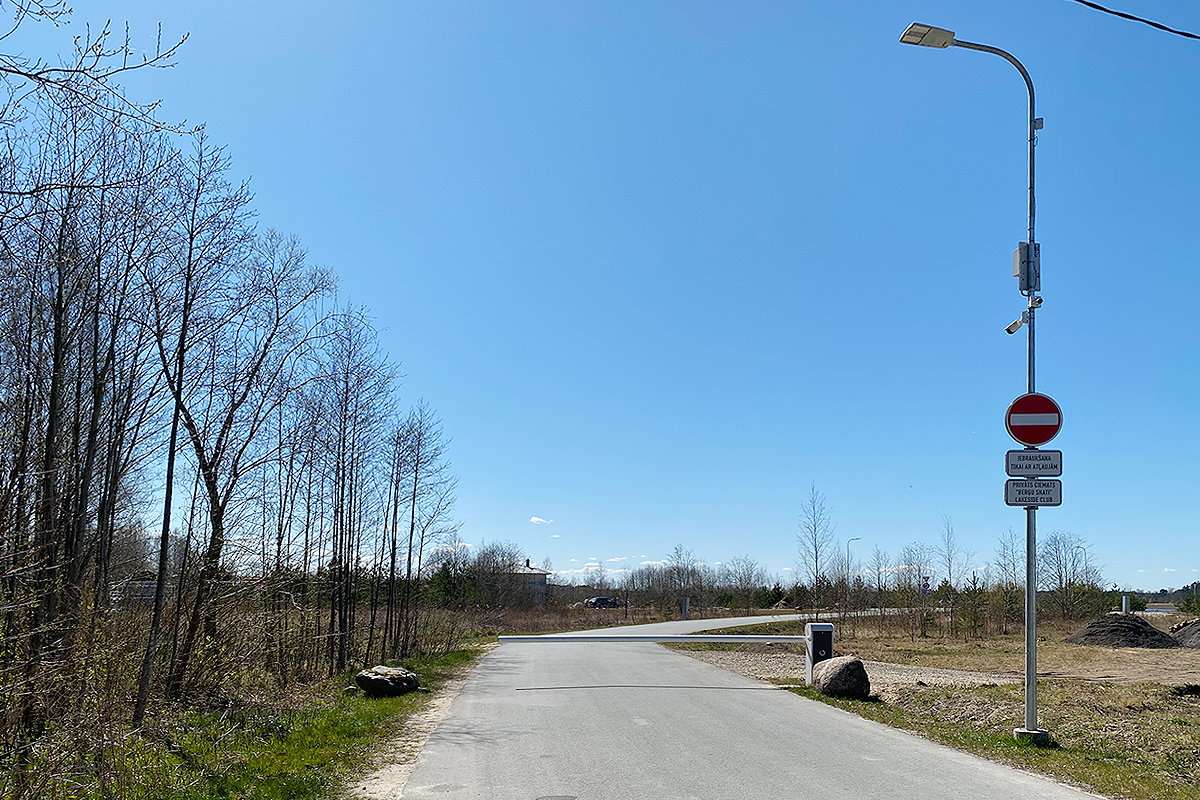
(660, 266)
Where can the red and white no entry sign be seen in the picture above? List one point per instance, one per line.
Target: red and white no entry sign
(1033, 419)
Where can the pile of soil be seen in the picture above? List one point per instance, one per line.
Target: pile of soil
(1122, 630)
(1188, 634)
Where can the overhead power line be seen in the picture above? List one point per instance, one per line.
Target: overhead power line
(1123, 15)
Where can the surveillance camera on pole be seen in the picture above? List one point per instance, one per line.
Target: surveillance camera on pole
(1026, 268)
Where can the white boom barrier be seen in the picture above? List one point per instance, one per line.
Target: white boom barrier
(600, 637)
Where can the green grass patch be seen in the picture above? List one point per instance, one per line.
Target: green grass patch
(303, 747)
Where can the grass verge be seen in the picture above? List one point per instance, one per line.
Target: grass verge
(268, 752)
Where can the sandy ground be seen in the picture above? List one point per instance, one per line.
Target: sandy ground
(1134, 665)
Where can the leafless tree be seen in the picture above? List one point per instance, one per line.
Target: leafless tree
(88, 79)
(258, 344)
(210, 233)
(1008, 579)
(914, 579)
(1066, 573)
(79, 353)
(745, 577)
(815, 540)
(428, 488)
(683, 572)
(952, 555)
(951, 552)
(880, 567)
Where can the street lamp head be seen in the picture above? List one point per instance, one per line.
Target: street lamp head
(927, 36)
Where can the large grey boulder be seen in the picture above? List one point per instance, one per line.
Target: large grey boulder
(386, 681)
(844, 676)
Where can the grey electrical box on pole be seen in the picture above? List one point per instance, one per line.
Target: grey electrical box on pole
(1027, 268)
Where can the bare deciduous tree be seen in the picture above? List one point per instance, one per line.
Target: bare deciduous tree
(815, 539)
(953, 555)
(258, 345)
(745, 577)
(1066, 572)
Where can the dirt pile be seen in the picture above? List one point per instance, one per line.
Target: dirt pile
(1121, 630)
(1188, 634)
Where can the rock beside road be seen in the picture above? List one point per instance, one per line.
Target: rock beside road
(381, 681)
(1122, 630)
(844, 676)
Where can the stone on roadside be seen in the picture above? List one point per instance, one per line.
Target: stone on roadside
(844, 676)
(384, 681)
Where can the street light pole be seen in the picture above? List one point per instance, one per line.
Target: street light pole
(848, 592)
(1030, 270)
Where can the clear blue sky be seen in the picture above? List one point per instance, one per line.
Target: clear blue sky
(661, 265)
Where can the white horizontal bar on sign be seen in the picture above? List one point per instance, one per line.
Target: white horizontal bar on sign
(583, 637)
(1033, 419)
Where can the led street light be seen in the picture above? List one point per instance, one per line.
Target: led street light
(927, 36)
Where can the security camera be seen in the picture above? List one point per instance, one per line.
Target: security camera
(1016, 324)
(1035, 302)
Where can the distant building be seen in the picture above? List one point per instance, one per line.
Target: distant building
(535, 578)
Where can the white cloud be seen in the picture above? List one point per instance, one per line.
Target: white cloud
(1168, 569)
(555, 536)
(618, 558)
(540, 521)
(573, 559)
(787, 569)
(573, 575)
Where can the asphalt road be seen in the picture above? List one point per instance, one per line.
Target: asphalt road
(552, 721)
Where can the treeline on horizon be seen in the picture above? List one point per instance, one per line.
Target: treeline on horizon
(934, 583)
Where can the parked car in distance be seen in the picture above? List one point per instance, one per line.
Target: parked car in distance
(602, 602)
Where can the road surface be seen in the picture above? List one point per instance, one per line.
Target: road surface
(553, 721)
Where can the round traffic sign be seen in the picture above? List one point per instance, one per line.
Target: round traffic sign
(1033, 419)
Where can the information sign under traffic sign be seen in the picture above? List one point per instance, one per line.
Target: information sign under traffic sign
(1024, 492)
(1033, 419)
(1033, 463)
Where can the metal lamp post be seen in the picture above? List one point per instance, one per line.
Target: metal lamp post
(848, 592)
(1027, 264)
